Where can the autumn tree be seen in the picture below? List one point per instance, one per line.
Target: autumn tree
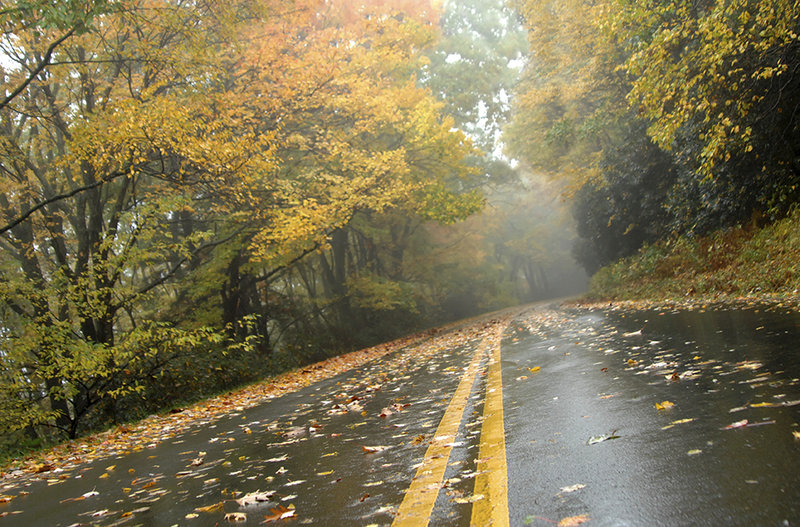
(571, 123)
(711, 84)
(718, 82)
(571, 98)
(185, 152)
(62, 20)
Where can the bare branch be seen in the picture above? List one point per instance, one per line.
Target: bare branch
(22, 217)
(39, 67)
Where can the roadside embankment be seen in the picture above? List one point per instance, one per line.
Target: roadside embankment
(742, 263)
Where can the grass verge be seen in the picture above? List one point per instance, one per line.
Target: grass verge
(742, 262)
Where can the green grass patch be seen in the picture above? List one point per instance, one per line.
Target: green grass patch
(737, 262)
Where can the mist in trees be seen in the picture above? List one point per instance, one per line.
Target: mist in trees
(197, 194)
(663, 118)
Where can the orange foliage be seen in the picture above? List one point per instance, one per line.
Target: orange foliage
(423, 10)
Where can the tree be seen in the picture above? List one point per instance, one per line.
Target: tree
(628, 206)
(569, 105)
(182, 142)
(718, 81)
(474, 67)
(572, 124)
(68, 18)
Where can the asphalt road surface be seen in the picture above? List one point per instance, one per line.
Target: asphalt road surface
(535, 416)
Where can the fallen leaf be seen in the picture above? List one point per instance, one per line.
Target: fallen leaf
(373, 449)
(192, 516)
(81, 497)
(664, 405)
(749, 365)
(534, 369)
(38, 469)
(737, 424)
(573, 488)
(796, 434)
(682, 421)
(217, 507)
(571, 521)
(254, 497)
(236, 517)
(470, 499)
(605, 437)
(694, 452)
(279, 513)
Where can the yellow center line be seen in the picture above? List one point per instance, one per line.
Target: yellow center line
(492, 479)
(417, 505)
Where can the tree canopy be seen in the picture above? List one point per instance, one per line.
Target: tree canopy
(170, 146)
(708, 90)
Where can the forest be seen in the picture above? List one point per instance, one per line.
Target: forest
(198, 194)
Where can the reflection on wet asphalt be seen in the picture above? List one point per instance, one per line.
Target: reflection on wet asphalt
(613, 417)
(722, 453)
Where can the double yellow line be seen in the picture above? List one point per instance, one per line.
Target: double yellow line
(491, 481)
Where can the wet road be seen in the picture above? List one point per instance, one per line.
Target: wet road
(722, 454)
(538, 417)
